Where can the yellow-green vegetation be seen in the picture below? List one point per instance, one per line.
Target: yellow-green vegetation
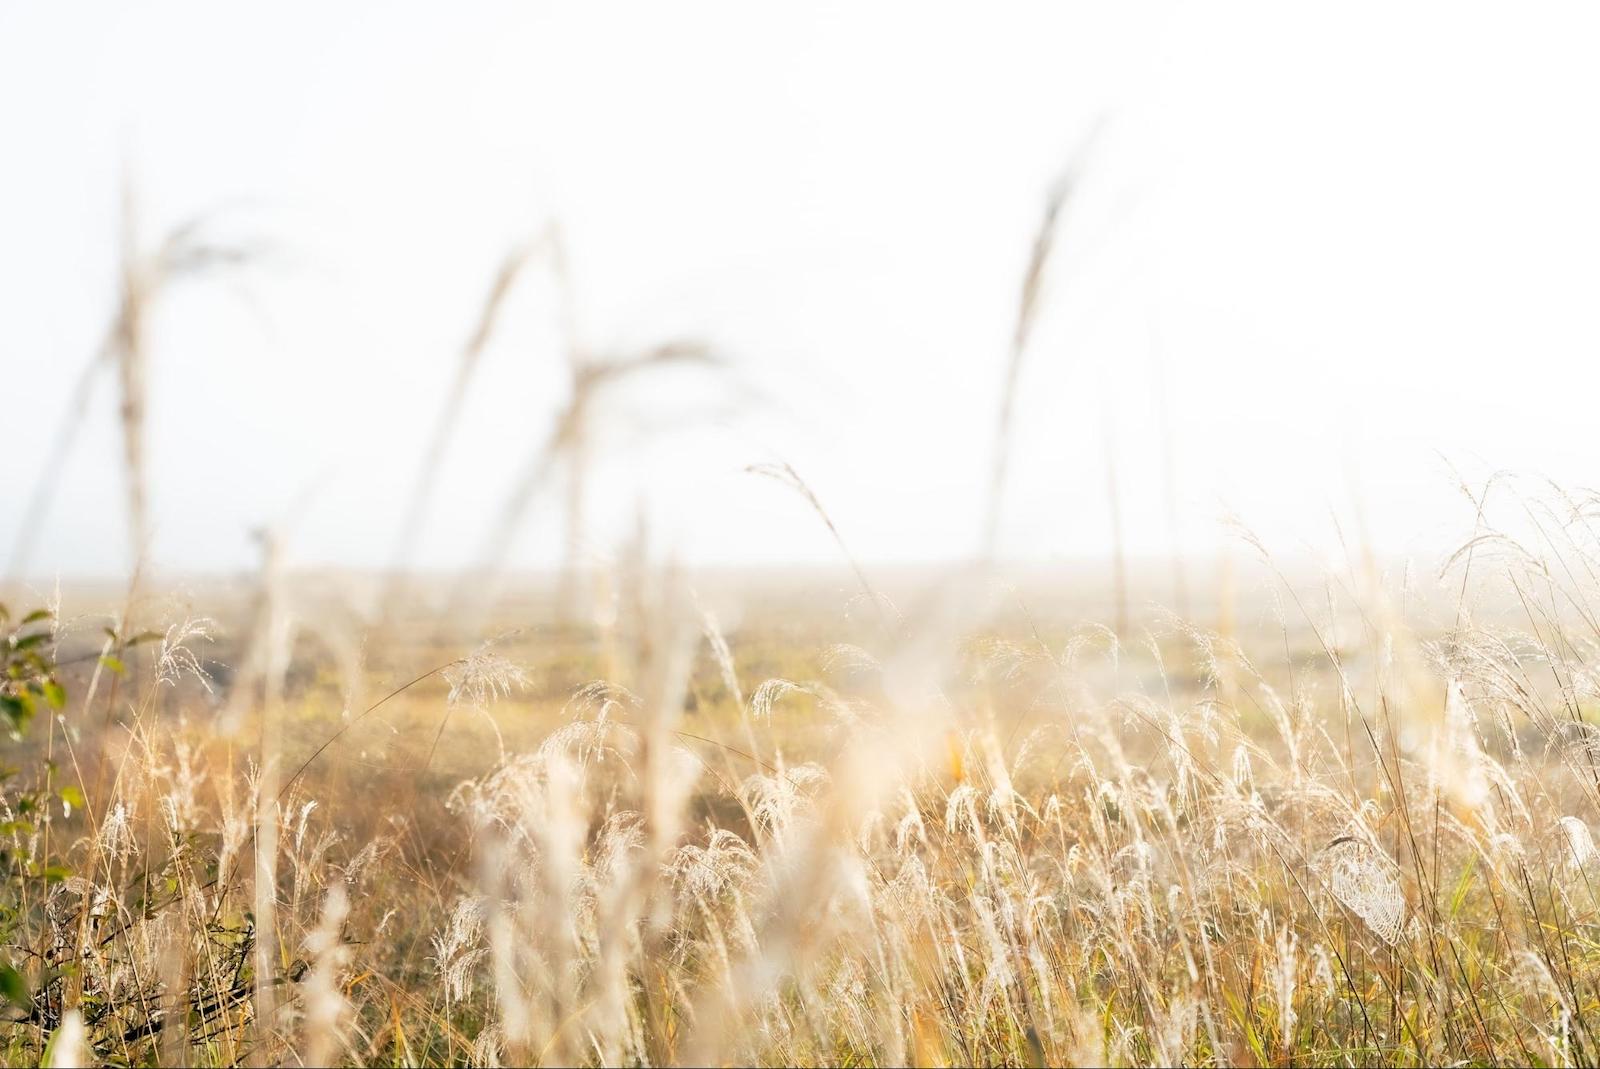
(941, 828)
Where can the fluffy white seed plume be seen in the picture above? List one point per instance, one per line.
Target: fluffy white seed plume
(69, 1047)
(482, 678)
(1285, 971)
(769, 692)
(846, 658)
(1322, 970)
(961, 812)
(326, 1008)
(1244, 776)
(181, 779)
(1578, 840)
(1457, 760)
(116, 835)
(722, 654)
(177, 659)
(910, 831)
(458, 950)
(598, 699)
(783, 799)
(706, 871)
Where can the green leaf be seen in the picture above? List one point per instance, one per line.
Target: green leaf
(115, 664)
(55, 694)
(17, 708)
(73, 797)
(34, 617)
(13, 987)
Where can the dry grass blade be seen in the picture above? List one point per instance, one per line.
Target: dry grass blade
(186, 252)
(450, 412)
(782, 472)
(1044, 239)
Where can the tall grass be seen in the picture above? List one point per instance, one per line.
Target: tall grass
(959, 828)
(1044, 846)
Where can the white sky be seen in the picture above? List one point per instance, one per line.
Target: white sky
(1363, 235)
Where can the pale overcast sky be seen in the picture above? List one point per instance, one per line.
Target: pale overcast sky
(1355, 236)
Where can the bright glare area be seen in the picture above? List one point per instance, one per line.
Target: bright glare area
(1318, 257)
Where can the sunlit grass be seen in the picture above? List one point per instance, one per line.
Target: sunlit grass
(950, 833)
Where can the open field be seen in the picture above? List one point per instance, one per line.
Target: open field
(836, 534)
(1345, 820)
